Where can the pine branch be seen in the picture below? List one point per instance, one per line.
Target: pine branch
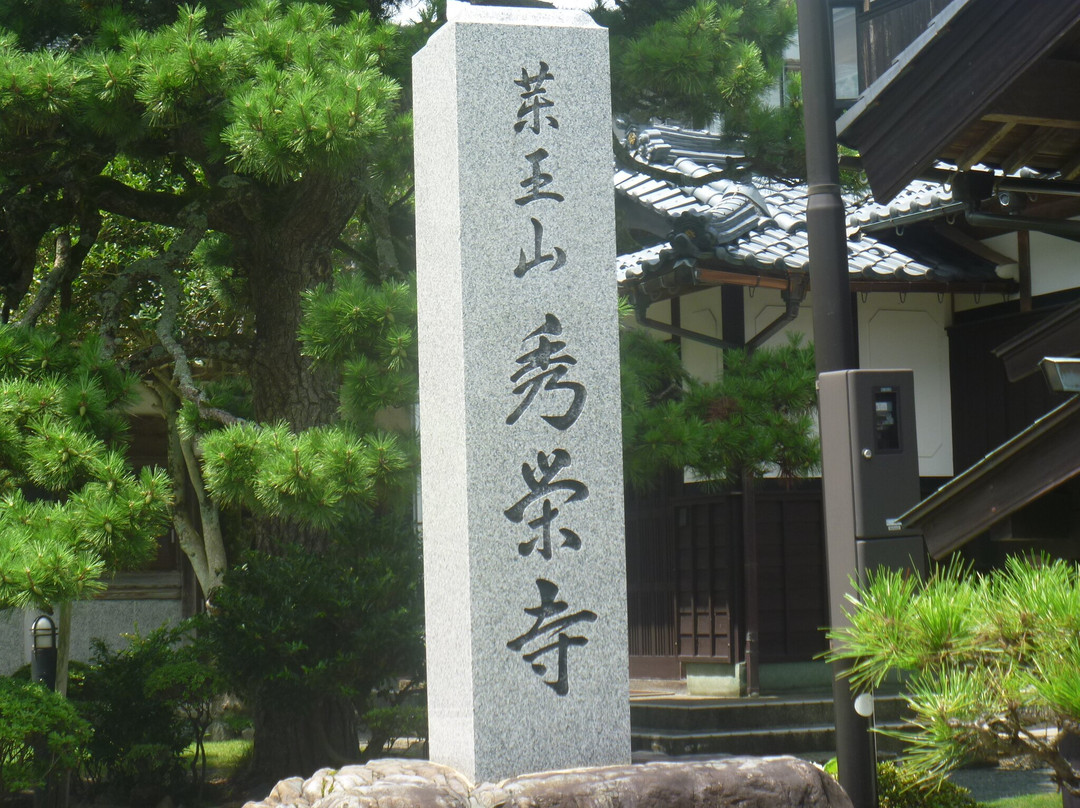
(160, 268)
(66, 266)
(146, 206)
(205, 548)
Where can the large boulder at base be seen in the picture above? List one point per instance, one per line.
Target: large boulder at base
(390, 783)
(739, 782)
(745, 782)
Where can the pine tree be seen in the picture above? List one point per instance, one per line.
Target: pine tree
(990, 662)
(703, 62)
(757, 418)
(194, 175)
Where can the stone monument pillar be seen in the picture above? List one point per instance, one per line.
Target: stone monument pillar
(524, 557)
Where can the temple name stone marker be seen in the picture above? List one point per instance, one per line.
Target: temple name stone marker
(524, 557)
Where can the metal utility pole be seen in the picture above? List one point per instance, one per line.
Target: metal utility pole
(834, 340)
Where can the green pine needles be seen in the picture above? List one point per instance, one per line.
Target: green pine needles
(707, 60)
(71, 506)
(325, 476)
(994, 659)
(758, 418)
(283, 89)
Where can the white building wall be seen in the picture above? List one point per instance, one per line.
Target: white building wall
(893, 333)
(107, 619)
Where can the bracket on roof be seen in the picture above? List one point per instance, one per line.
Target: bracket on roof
(793, 296)
(798, 283)
(641, 303)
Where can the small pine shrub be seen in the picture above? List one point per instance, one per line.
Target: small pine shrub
(901, 788)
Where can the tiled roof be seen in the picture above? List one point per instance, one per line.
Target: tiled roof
(758, 224)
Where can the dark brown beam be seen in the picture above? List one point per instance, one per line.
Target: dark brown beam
(679, 282)
(1036, 461)
(1057, 334)
(1070, 169)
(972, 245)
(1031, 146)
(946, 81)
(1038, 96)
(1023, 252)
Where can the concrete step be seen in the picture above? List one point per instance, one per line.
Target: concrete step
(750, 726)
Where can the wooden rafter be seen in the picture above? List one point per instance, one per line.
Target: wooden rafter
(1070, 169)
(977, 151)
(972, 245)
(1027, 150)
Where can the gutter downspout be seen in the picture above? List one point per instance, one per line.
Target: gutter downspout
(1063, 228)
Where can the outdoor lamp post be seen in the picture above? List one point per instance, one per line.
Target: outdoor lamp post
(43, 660)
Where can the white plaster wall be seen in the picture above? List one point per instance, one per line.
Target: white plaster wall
(892, 334)
(1055, 266)
(911, 334)
(700, 312)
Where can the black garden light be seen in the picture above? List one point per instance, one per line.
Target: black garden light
(43, 659)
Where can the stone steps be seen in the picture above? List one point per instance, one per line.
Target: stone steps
(749, 726)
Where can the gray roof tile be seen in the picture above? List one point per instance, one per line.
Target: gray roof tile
(759, 224)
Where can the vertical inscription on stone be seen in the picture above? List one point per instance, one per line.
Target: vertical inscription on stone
(536, 101)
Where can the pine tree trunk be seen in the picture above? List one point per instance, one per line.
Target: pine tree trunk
(287, 252)
(297, 740)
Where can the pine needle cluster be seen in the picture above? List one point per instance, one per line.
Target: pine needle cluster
(283, 89)
(758, 418)
(326, 476)
(993, 659)
(71, 507)
(711, 59)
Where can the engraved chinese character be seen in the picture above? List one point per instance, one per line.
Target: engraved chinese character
(534, 100)
(535, 183)
(539, 257)
(542, 485)
(553, 629)
(543, 368)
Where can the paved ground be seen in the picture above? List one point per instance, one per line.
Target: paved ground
(992, 784)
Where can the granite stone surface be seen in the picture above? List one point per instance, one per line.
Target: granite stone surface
(519, 395)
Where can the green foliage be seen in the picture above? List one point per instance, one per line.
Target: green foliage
(898, 787)
(709, 59)
(759, 416)
(326, 476)
(992, 656)
(322, 476)
(40, 734)
(147, 702)
(301, 626)
(70, 505)
(370, 332)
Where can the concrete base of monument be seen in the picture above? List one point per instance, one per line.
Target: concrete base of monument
(746, 782)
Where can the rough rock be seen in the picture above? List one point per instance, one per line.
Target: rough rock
(746, 782)
(738, 782)
(389, 783)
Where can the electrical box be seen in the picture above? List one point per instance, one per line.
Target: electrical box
(868, 431)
